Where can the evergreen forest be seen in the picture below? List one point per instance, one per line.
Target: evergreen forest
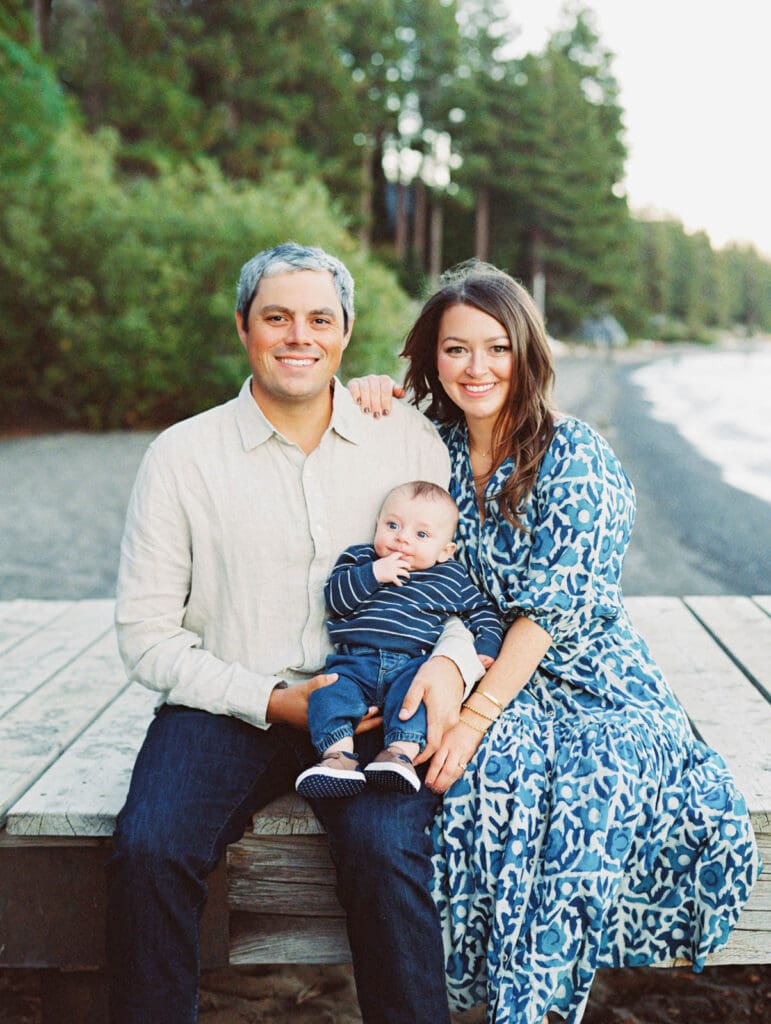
(150, 147)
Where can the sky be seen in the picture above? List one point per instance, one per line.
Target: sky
(694, 84)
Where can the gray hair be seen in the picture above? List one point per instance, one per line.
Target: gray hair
(287, 258)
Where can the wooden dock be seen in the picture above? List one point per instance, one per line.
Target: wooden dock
(70, 728)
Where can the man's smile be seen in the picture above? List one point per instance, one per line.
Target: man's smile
(297, 360)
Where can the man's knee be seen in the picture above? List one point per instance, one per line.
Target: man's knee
(380, 834)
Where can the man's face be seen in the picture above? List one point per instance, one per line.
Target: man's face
(294, 337)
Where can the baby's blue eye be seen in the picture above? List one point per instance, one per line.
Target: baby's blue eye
(422, 534)
(391, 526)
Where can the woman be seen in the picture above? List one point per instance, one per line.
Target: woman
(589, 827)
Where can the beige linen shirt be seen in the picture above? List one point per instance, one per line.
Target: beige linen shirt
(231, 532)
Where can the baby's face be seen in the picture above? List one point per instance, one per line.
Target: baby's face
(421, 529)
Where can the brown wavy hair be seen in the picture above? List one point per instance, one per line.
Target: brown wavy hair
(525, 426)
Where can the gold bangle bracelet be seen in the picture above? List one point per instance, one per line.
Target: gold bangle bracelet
(481, 714)
(476, 728)
(489, 696)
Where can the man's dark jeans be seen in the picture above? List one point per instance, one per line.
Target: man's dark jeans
(198, 780)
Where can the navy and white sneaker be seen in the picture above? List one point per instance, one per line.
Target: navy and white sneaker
(336, 774)
(394, 771)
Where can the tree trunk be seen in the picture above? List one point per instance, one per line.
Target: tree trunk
(367, 186)
(435, 244)
(402, 225)
(42, 10)
(419, 224)
(482, 224)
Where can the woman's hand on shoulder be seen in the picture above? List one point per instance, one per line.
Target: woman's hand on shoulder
(374, 393)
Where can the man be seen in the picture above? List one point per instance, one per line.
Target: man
(236, 519)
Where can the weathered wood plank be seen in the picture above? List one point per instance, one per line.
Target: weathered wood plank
(727, 710)
(288, 815)
(281, 859)
(293, 899)
(742, 628)
(39, 656)
(82, 792)
(22, 617)
(273, 939)
(35, 733)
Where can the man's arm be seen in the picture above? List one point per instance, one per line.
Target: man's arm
(456, 644)
(153, 586)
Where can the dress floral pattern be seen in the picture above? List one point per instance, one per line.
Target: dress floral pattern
(592, 828)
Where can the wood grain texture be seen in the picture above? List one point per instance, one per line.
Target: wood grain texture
(728, 712)
(37, 731)
(41, 654)
(21, 618)
(275, 939)
(288, 815)
(743, 629)
(82, 792)
(282, 858)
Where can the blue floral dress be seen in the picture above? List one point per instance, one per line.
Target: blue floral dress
(592, 828)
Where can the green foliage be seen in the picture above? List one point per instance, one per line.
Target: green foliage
(542, 137)
(213, 130)
(117, 297)
(688, 289)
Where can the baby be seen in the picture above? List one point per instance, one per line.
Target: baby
(389, 603)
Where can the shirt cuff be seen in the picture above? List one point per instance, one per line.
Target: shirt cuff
(461, 652)
(248, 697)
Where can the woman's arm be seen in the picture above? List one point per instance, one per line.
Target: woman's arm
(523, 648)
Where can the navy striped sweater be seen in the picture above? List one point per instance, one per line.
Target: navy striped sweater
(409, 618)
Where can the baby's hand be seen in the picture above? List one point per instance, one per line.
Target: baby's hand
(487, 661)
(392, 568)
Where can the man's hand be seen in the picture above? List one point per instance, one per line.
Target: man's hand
(391, 568)
(289, 705)
(439, 685)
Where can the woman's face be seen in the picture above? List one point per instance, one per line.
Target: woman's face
(474, 362)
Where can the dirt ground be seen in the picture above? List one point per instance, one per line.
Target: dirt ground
(325, 995)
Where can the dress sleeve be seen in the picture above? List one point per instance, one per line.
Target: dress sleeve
(583, 511)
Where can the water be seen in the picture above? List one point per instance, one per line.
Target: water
(720, 402)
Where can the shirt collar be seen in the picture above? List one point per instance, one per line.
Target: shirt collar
(347, 418)
(254, 428)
